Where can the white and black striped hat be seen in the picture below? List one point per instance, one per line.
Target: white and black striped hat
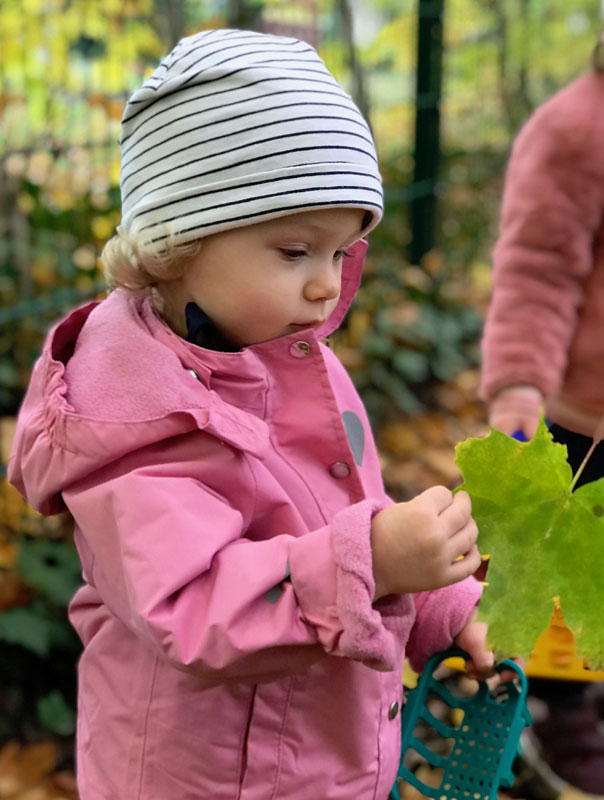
(236, 127)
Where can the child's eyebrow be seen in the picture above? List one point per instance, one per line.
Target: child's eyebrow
(289, 226)
(292, 228)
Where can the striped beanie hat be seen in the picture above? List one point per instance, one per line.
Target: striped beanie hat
(236, 127)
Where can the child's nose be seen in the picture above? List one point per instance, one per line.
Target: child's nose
(325, 284)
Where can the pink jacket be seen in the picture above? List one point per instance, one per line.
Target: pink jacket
(222, 506)
(546, 318)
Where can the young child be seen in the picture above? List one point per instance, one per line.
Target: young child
(543, 346)
(250, 591)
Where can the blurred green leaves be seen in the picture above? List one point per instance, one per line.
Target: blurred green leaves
(405, 333)
(56, 714)
(33, 627)
(39, 573)
(51, 568)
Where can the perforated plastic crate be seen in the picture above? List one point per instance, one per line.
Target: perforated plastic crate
(483, 743)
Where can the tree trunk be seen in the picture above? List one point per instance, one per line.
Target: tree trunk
(169, 19)
(359, 86)
(244, 14)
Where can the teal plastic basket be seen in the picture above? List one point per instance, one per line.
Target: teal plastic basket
(482, 747)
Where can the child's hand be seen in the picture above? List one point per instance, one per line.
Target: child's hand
(424, 544)
(473, 639)
(517, 408)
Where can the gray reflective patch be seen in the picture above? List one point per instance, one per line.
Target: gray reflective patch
(273, 594)
(356, 435)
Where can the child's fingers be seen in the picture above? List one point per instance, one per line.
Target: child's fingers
(462, 568)
(483, 673)
(510, 674)
(457, 515)
(473, 639)
(436, 498)
(507, 675)
(481, 664)
(463, 541)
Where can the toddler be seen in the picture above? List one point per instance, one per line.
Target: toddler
(250, 591)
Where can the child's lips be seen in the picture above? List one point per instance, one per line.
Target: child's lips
(314, 323)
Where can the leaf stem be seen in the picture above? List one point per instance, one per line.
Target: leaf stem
(597, 438)
(577, 474)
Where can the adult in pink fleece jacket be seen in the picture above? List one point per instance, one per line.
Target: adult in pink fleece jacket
(543, 346)
(250, 591)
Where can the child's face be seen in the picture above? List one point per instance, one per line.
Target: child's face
(267, 280)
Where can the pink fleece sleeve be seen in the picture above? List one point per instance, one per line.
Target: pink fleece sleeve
(333, 581)
(552, 207)
(441, 614)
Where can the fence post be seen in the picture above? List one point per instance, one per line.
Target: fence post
(427, 127)
(169, 18)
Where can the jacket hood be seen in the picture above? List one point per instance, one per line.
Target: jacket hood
(113, 378)
(351, 280)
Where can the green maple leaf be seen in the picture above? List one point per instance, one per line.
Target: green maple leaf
(545, 541)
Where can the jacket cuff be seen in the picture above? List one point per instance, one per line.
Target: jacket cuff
(441, 615)
(331, 571)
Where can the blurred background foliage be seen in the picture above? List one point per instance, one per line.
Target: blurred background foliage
(411, 339)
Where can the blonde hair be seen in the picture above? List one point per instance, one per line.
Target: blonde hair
(130, 263)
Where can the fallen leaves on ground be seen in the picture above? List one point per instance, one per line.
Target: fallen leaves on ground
(28, 773)
(418, 452)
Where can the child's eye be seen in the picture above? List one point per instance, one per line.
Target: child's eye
(292, 255)
(339, 254)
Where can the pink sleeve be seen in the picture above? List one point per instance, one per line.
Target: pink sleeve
(211, 600)
(441, 614)
(333, 580)
(552, 207)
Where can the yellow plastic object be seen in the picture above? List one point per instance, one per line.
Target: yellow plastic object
(410, 676)
(555, 656)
